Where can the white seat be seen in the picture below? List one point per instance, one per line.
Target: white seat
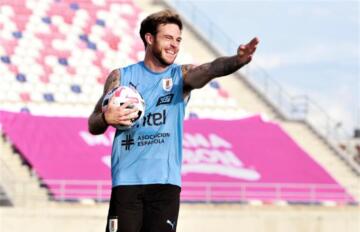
(99, 2)
(57, 20)
(71, 98)
(57, 44)
(61, 97)
(103, 46)
(59, 71)
(81, 18)
(94, 97)
(51, 61)
(3, 69)
(11, 106)
(87, 89)
(34, 20)
(64, 28)
(98, 30)
(41, 9)
(82, 98)
(102, 14)
(13, 95)
(4, 88)
(95, 38)
(141, 55)
(7, 11)
(116, 8)
(231, 102)
(127, 9)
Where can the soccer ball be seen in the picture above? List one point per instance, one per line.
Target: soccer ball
(123, 94)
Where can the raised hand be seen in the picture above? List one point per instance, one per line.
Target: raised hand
(246, 51)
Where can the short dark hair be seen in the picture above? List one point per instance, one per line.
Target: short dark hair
(150, 24)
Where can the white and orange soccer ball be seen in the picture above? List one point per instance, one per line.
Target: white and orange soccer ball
(121, 95)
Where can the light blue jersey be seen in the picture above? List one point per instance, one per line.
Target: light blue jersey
(151, 151)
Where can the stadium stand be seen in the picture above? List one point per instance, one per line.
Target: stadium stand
(59, 53)
(54, 58)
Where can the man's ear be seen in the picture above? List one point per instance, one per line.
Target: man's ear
(149, 38)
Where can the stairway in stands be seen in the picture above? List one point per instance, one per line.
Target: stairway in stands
(18, 181)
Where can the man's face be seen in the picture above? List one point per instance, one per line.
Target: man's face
(166, 43)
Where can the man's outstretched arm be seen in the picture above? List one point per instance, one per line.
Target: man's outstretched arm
(197, 76)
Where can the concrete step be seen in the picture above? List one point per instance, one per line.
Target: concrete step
(23, 184)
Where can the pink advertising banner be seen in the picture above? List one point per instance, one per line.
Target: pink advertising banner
(238, 160)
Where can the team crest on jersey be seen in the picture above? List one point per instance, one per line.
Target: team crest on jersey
(167, 84)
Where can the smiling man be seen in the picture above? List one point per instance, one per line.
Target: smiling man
(146, 159)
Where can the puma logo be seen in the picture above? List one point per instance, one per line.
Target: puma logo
(171, 224)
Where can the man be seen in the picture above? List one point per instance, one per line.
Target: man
(146, 159)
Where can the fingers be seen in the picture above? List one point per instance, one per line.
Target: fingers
(121, 115)
(128, 115)
(255, 41)
(246, 51)
(249, 48)
(125, 117)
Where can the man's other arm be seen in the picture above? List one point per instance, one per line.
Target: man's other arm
(97, 123)
(197, 76)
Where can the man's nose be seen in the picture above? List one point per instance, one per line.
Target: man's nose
(174, 43)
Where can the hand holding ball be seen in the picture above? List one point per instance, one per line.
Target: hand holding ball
(129, 98)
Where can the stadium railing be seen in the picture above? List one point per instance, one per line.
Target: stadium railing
(204, 192)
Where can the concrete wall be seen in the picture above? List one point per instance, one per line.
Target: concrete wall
(193, 218)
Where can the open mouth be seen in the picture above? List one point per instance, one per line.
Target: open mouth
(170, 52)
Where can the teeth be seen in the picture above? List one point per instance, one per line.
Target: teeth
(170, 52)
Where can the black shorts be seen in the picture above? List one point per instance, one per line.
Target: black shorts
(144, 208)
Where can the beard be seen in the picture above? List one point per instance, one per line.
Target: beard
(158, 55)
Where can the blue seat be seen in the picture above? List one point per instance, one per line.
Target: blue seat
(215, 84)
(193, 115)
(46, 20)
(84, 37)
(75, 88)
(49, 97)
(91, 45)
(100, 22)
(74, 6)
(25, 109)
(17, 34)
(63, 61)
(5, 59)
(21, 77)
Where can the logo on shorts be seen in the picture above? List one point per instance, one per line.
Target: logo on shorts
(171, 224)
(127, 142)
(167, 84)
(165, 99)
(113, 224)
